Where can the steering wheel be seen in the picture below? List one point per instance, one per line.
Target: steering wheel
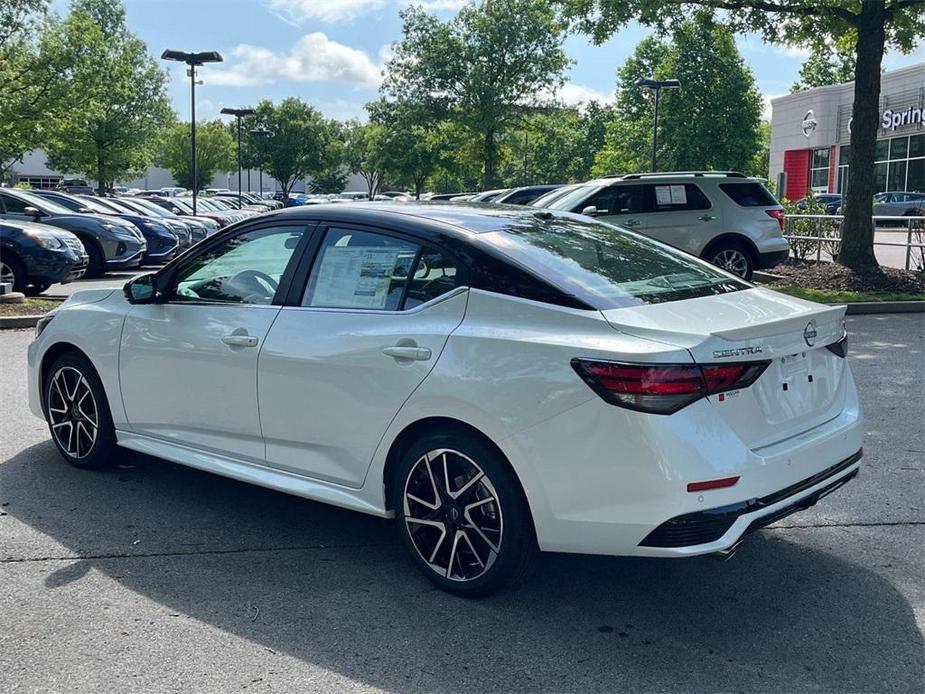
(260, 284)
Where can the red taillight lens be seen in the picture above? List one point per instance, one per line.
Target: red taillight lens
(778, 215)
(663, 388)
(712, 484)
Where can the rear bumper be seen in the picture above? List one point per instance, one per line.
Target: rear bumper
(687, 531)
(769, 260)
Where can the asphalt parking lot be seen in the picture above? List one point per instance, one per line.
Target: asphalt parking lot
(152, 577)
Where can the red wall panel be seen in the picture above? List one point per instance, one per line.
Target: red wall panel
(796, 165)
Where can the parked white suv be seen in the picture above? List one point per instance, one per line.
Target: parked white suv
(721, 216)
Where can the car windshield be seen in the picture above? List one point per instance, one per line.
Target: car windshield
(100, 207)
(608, 267)
(42, 203)
(574, 197)
(182, 205)
(549, 197)
(156, 210)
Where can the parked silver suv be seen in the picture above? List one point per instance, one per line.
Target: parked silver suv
(721, 216)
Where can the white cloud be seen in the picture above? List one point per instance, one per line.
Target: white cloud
(314, 58)
(572, 94)
(440, 5)
(297, 12)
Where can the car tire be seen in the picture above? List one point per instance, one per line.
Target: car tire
(13, 271)
(732, 256)
(36, 289)
(472, 535)
(78, 413)
(96, 263)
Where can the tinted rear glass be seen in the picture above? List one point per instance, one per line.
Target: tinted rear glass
(750, 194)
(607, 267)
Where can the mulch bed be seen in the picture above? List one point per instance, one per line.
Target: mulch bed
(835, 277)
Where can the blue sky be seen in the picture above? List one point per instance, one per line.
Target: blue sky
(329, 52)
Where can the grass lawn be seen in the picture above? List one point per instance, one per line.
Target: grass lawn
(29, 307)
(825, 296)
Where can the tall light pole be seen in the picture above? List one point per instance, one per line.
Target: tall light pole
(657, 86)
(260, 132)
(239, 113)
(193, 60)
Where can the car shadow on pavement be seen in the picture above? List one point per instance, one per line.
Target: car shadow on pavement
(333, 588)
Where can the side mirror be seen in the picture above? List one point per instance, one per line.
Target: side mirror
(141, 290)
(590, 211)
(33, 212)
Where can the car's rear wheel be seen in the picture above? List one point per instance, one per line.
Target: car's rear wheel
(733, 257)
(96, 263)
(462, 514)
(36, 289)
(77, 412)
(13, 272)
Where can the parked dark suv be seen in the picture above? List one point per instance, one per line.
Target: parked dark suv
(111, 243)
(35, 256)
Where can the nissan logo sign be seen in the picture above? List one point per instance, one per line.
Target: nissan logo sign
(809, 123)
(809, 333)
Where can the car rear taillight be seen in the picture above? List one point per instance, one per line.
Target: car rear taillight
(778, 215)
(663, 388)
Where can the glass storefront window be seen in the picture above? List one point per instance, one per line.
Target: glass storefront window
(899, 148)
(883, 150)
(819, 168)
(897, 177)
(880, 177)
(917, 146)
(916, 180)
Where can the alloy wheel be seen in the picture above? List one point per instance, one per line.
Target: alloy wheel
(453, 515)
(732, 260)
(72, 412)
(7, 276)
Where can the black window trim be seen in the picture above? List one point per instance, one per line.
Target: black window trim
(302, 273)
(166, 276)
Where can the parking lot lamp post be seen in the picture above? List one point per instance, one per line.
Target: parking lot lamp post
(260, 132)
(193, 60)
(239, 113)
(656, 86)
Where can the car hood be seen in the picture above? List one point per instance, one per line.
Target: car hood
(87, 296)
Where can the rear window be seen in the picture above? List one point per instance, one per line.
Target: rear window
(606, 267)
(750, 194)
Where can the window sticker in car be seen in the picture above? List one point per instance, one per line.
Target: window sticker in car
(355, 276)
(678, 195)
(670, 195)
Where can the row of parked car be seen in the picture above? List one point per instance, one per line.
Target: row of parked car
(886, 204)
(49, 237)
(722, 216)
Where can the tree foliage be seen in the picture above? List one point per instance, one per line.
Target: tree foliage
(215, 151)
(366, 153)
(712, 122)
(300, 143)
(112, 134)
(482, 68)
(826, 65)
(869, 25)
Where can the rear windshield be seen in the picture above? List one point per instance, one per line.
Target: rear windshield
(750, 194)
(607, 267)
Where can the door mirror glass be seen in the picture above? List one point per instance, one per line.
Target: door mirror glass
(141, 290)
(32, 211)
(590, 211)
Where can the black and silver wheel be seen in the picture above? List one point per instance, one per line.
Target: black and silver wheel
(462, 514)
(36, 289)
(77, 413)
(12, 272)
(732, 257)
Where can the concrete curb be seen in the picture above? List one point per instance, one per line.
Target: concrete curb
(18, 322)
(886, 307)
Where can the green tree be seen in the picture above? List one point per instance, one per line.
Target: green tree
(717, 89)
(412, 147)
(299, 144)
(827, 65)
(760, 163)
(114, 131)
(215, 151)
(874, 26)
(367, 153)
(330, 181)
(481, 68)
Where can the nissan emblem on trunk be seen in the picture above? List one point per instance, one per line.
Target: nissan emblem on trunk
(809, 333)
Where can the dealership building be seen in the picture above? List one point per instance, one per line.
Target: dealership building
(811, 130)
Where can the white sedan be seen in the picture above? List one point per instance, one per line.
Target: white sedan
(499, 381)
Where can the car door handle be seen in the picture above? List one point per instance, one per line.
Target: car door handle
(408, 353)
(706, 217)
(240, 340)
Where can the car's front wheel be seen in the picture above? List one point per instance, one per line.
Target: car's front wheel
(77, 412)
(462, 514)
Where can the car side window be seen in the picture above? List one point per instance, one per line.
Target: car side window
(434, 275)
(361, 270)
(675, 197)
(617, 200)
(243, 269)
(14, 205)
